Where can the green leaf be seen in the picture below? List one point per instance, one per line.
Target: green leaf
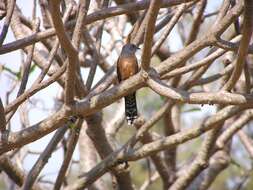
(192, 110)
(72, 126)
(33, 67)
(17, 74)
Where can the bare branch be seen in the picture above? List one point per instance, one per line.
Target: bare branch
(70, 150)
(149, 31)
(2, 118)
(93, 17)
(234, 128)
(43, 159)
(13, 171)
(244, 45)
(69, 49)
(10, 8)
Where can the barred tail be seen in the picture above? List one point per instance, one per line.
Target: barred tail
(130, 108)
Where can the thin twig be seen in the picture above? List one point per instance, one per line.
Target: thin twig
(168, 28)
(244, 45)
(43, 158)
(10, 8)
(26, 69)
(70, 150)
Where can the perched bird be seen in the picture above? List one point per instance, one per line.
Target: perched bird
(127, 66)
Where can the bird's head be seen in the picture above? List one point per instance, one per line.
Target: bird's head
(129, 48)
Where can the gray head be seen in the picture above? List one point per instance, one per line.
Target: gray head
(129, 49)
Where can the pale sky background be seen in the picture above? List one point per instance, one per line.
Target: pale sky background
(47, 96)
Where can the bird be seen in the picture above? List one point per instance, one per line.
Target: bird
(127, 66)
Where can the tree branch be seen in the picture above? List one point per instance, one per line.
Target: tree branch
(149, 20)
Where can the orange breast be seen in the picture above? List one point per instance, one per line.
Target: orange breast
(127, 67)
